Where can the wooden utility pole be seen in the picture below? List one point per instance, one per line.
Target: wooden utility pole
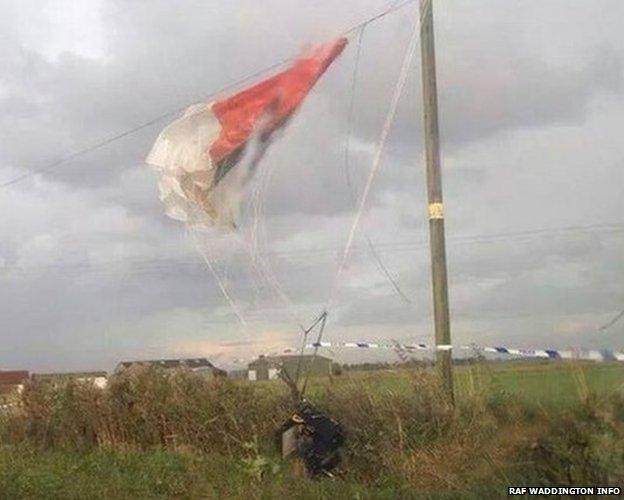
(434, 194)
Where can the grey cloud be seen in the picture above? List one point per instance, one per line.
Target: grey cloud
(529, 93)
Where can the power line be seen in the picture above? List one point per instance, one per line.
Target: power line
(600, 227)
(155, 264)
(245, 79)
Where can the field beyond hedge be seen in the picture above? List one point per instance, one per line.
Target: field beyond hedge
(154, 436)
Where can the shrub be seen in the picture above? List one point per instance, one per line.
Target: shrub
(146, 408)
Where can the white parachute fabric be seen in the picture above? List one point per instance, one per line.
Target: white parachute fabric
(185, 170)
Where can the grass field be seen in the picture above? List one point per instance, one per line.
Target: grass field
(544, 384)
(150, 436)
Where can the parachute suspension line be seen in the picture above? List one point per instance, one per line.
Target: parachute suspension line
(376, 164)
(257, 231)
(251, 243)
(350, 117)
(612, 322)
(347, 170)
(208, 261)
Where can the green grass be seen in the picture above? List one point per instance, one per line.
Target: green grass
(551, 384)
(168, 474)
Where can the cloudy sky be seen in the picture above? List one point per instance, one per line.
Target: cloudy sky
(532, 112)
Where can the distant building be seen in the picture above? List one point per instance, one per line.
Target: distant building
(238, 374)
(267, 367)
(198, 365)
(98, 379)
(12, 381)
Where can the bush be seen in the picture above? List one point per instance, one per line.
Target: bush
(146, 408)
(398, 436)
(67, 416)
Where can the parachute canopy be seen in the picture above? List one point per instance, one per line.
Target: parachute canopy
(194, 155)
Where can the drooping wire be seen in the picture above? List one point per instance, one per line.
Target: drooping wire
(347, 170)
